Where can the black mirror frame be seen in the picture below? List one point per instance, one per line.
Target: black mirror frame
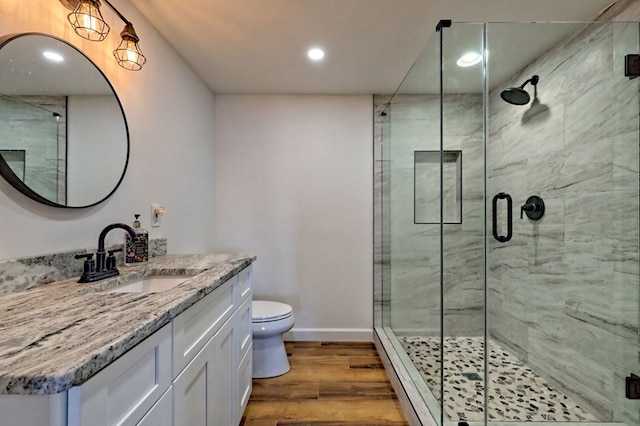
(15, 181)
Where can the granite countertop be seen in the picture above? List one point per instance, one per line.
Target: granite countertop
(59, 335)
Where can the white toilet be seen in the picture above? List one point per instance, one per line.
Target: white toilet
(270, 320)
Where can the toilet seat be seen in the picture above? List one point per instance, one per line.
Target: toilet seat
(267, 311)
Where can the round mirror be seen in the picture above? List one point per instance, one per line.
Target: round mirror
(63, 135)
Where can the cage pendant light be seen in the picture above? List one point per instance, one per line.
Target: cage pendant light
(87, 21)
(128, 53)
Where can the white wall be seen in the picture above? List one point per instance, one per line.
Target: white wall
(169, 112)
(294, 186)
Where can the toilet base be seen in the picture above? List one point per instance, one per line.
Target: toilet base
(269, 357)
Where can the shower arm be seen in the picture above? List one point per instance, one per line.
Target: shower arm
(533, 80)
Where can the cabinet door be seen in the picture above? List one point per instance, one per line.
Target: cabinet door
(221, 377)
(242, 358)
(126, 389)
(193, 328)
(162, 413)
(203, 392)
(243, 386)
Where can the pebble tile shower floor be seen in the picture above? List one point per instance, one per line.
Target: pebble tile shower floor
(516, 393)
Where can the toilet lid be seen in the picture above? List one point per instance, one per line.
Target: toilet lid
(263, 310)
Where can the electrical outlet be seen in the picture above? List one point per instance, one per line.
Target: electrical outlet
(156, 214)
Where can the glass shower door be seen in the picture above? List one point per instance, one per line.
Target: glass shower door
(562, 294)
(463, 283)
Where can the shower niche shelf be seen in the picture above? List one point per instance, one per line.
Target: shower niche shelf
(426, 187)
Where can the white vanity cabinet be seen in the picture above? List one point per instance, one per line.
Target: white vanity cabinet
(212, 389)
(194, 371)
(202, 359)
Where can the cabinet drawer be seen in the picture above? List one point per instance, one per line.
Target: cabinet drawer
(195, 326)
(243, 329)
(127, 388)
(243, 287)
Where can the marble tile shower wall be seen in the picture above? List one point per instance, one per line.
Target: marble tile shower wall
(28, 272)
(563, 294)
(411, 255)
(44, 163)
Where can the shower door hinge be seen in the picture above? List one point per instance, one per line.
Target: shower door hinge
(632, 386)
(632, 66)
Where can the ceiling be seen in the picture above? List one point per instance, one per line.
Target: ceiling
(259, 46)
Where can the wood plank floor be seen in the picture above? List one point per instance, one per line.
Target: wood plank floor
(330, 384)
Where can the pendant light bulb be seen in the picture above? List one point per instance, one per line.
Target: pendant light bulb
(87, 20)
(128, 53)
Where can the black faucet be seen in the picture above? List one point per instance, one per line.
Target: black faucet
(102, 269)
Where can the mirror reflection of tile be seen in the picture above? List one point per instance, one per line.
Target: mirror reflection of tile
(30, 139)
(15, 159)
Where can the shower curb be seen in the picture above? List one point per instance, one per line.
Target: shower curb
(400, 386)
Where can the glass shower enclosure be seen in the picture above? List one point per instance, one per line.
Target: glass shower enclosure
(506, 227)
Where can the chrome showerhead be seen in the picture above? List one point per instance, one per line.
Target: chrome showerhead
(517, 95)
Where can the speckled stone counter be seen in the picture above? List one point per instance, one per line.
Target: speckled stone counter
(59, 335)
(29, 272)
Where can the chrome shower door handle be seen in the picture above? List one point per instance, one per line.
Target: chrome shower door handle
(502, 238)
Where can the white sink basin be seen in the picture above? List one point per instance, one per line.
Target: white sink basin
(151, 284)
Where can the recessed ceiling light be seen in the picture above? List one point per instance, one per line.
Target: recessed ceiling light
(315, 54)
(469, 59)
(52, 56)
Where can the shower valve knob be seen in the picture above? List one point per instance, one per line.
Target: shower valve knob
(533, 208)
(526, 208)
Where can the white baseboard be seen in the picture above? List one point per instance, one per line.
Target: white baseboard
(329, 335)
